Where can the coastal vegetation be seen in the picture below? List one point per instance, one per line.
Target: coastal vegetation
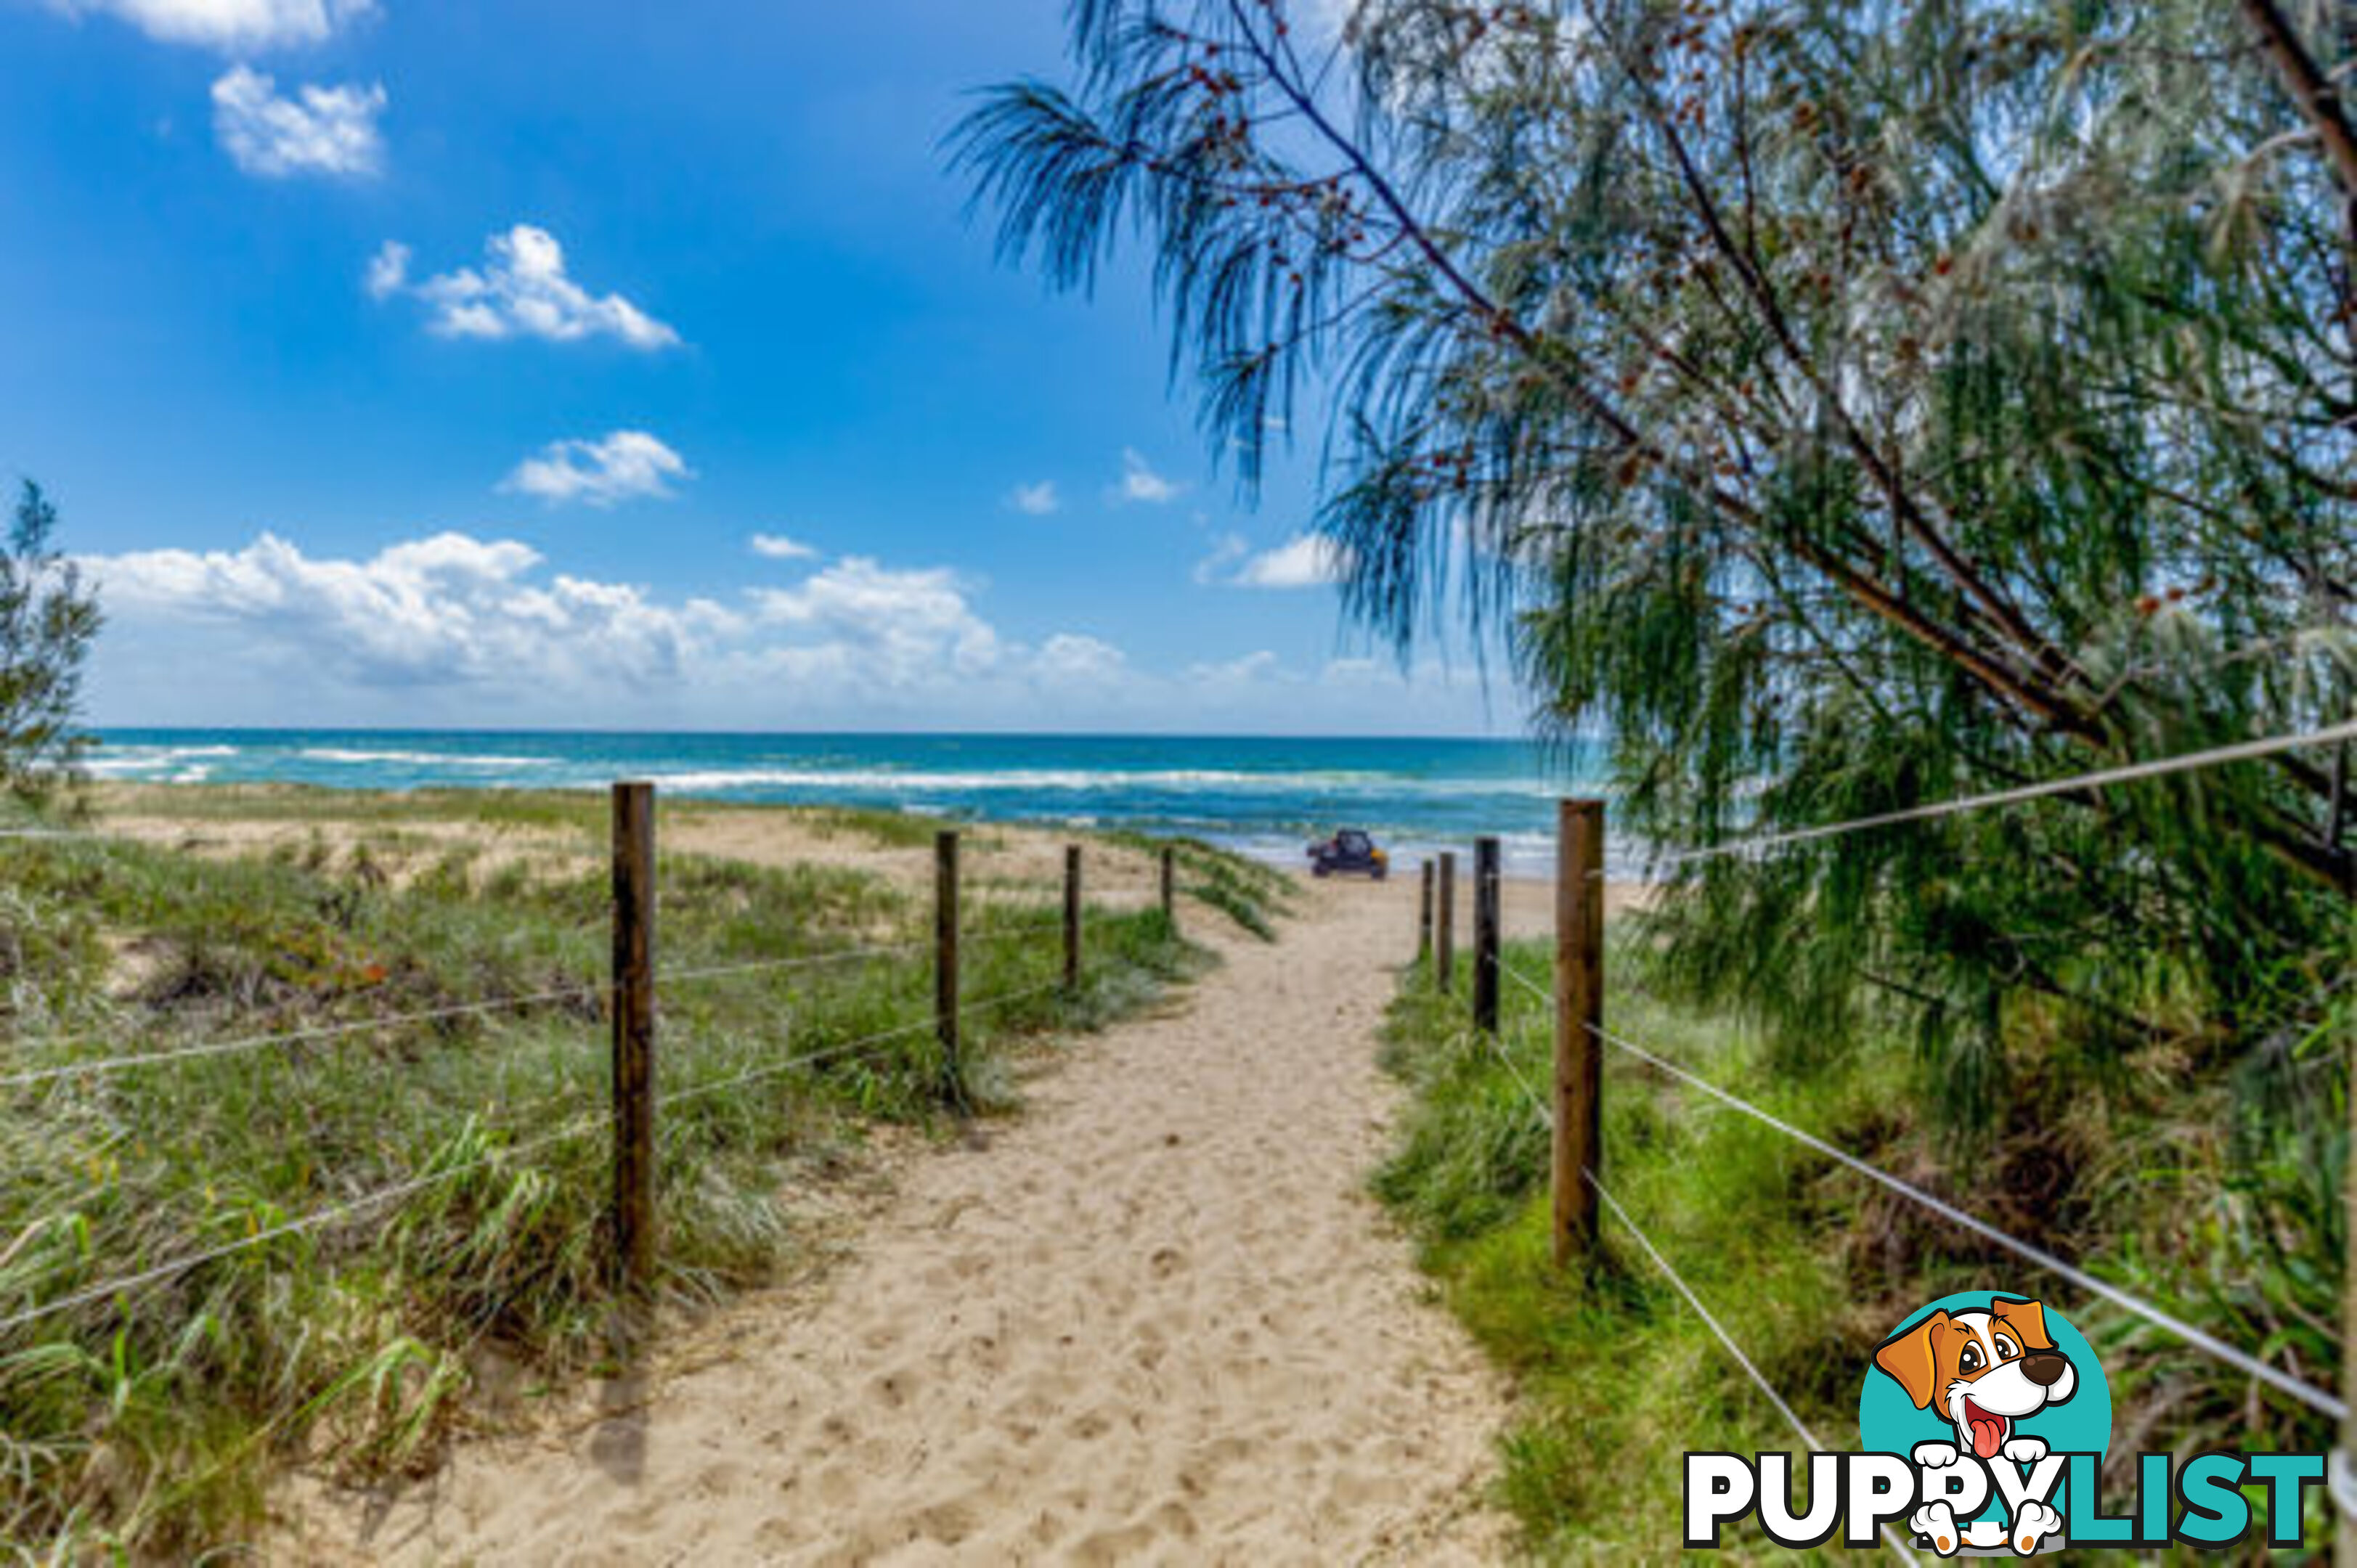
(430, 969)
(1246, 891)
(48, 618)
(1809, 1266)
(1834, 409)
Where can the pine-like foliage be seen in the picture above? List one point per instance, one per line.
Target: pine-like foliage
(48, 617)
(1840, 406)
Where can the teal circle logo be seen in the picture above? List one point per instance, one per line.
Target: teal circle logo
(1995, 1375)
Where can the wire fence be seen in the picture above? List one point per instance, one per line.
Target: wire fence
(628, 998)
(319, 1220)
(97, 1067)
(2077, 784)
(132, 1062)
(1572, 1000)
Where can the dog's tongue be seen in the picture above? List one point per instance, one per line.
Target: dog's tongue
(1988, 1434)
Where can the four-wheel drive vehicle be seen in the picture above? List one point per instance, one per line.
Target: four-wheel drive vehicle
(1348, 850)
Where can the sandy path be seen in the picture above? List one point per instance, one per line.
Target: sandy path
(1155, 1319)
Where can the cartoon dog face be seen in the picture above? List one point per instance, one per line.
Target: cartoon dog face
(1983, 1370)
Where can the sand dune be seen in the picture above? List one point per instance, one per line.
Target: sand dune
(1155, 1319)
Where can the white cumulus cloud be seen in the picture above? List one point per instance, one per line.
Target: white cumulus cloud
(899, 624)
(228, 24)
(329, 131)
(778, 547)
(628, 465)
(1305, 561)
(444, 609)
(1036, 501)
(388, 269)
(1071, 657)
(1225, 551)
(521, 290)
(449, 628)
(1139, 482)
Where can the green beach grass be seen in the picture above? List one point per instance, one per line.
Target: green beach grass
(1807, 1266)
(148, 1421)
(1615, 1376)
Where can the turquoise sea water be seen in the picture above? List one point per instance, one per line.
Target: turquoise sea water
(1267, 797)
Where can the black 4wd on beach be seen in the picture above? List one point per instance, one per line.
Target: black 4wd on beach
(1348, 850)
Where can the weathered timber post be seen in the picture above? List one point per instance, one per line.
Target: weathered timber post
(1170, 887)
(634, 1035)
(2344, 1522)
(1485, 934)
(945, 962)
(1424, 917)
(1444, 926)
(1072, 919)
(1578, 1014)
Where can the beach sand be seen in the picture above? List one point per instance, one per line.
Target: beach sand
(1154, 1318)
(997, 860)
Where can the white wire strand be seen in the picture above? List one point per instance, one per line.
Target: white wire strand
(1012, 932)
(1505, 1057)
(1008, 998)
(774, 1069)
(1801, 1428)
(321, 1218)
(2315, 1399)
(1526, 983)
(317, 1220)
(1791, 1417)
(99, 1066)
(294, 1037)
(805, 961)
(2244, 751)
(844, 1047)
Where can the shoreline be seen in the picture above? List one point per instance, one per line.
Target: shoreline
(747, 829)
(1264, 797)
(137, 800)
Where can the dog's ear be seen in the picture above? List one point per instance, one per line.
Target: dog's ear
(1909, 1359)
(2025, 1319)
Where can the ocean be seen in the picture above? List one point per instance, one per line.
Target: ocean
(1267, 797)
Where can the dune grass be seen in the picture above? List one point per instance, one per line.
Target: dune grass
(1249, 894)
(1618, 1376)
(147, 1420)
(1809, 1266)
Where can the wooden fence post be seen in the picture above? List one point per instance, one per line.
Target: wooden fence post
(1424, 916)
(1072, 917)
(2344, 1528)
(945, 962)
(1578, 1013)
(634, 1033)
(1170, 887)
(1485, 934)
(1444, 926)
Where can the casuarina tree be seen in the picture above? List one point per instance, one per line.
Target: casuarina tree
(1837, 406)
(48, 615)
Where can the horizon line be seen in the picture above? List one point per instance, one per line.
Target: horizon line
(1522, 739)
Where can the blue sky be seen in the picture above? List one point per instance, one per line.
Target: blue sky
(602, 366)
